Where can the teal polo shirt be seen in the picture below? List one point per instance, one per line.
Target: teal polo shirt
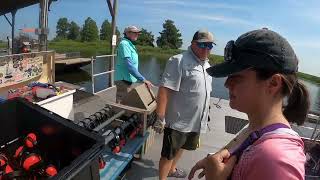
(126, 50)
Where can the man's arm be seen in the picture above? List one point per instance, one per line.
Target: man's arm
(134, 71)
(162, 101)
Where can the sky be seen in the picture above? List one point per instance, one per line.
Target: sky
(298, 21)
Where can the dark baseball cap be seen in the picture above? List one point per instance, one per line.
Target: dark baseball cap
(262, 49)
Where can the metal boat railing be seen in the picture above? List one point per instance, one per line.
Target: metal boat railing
(109, 71)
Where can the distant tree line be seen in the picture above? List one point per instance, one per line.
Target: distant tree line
(88, 32)
(170, 37)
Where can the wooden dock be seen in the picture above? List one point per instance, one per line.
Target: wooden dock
(70, 61)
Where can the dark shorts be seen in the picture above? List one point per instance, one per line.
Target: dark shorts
(174, 140)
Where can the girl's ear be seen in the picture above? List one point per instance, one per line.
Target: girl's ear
(274, 84)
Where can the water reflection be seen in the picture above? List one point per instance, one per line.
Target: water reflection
(314, 91)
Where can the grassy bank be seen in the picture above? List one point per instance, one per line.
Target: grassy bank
(3, 45)
(88, 49)
(308, 77)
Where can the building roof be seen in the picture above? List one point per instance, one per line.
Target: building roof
(6, 6)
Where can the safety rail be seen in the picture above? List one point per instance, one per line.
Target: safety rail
(110, 71)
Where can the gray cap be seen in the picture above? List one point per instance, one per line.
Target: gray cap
(262, 49)
(203, 35)
(131, 29)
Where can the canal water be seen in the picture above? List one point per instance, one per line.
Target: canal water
(152, 68)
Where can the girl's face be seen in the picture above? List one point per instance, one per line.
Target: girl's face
(246, 92)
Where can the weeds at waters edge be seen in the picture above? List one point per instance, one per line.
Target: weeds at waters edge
(88, 49)
(309, 77)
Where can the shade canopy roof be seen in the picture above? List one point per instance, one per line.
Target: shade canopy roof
(6, 6)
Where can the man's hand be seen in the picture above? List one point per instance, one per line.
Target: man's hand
(148, 83)
(218, 166)
(159, 125)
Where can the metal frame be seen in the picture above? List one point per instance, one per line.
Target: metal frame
(110, 71)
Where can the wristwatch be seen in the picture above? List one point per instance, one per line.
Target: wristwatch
(210, 154)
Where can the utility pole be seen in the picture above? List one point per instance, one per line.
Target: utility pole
(113, 12)
(43, 30)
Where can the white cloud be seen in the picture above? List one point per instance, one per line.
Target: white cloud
(164, 2)
(223, 19)
(216, 18)
(193, 4)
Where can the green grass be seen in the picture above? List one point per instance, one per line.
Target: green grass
(166, 53)
(86, 49)
(3, 45)
(309, 77)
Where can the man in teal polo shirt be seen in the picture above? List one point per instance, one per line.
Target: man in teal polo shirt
(127, 63)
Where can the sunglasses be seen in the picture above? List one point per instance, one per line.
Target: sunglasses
(205, 45)
(135, 32)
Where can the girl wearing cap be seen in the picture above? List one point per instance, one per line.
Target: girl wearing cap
(261, 67)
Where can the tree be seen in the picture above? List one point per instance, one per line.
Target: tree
(106, 31)
(90, 30)
(146, 38)
(62, 28)
(170, 37)
(74, 31)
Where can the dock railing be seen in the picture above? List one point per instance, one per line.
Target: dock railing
(109, 71)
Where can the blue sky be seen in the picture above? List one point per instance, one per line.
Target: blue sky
(296, 20)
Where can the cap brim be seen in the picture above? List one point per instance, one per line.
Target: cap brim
(136, 31)
(205, 40)
(225, 69)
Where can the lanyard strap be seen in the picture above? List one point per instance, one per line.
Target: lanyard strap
(255, 136)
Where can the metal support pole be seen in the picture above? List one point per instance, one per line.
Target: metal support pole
(113, 46)
(7, 20)
(92, 74)
(13, 23)
(43, 25)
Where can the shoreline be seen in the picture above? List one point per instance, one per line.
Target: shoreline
(88, 49)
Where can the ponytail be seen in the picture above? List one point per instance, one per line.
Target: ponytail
(298, 103)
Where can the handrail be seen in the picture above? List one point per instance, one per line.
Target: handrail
(93, 75)
(109, 55)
